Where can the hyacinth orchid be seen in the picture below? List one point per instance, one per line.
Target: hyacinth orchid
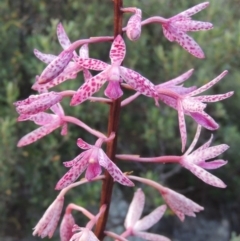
(114, 74)
(71, 69)
(133, 28)
(92, 159)
(196, 161)
(192, 105)
(179, 204)
(175, 28)
(48, 123)
(135, 227)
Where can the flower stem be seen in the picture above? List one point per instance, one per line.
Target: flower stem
(113, 122)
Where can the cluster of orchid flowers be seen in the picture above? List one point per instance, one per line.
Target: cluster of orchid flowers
(186, 100)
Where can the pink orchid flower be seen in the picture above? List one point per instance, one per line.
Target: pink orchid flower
(37, 103)
(48, 123)
(114, 74)
(49, 221)
(135, 227)
(66, 227)
(133, 28)
(175, 28)
(71, 69)
(84, 234)
(192, 105)
(92, 159)
(179, 204)
(196, 161)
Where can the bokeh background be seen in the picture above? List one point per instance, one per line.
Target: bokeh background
(28, 175)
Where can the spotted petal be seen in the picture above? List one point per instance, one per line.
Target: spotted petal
(83, 145)
(93, 64)
(182, 125)
(113, 170)
(55, 67)
(88, 88)
(39, 133)
(138, 82)
(151, 236)
(214, 98)
(190, 25)
(46, 58)
(117, 51)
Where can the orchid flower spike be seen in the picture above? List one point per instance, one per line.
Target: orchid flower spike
(176, 27)
(196, 161)
(136, 227)
(48, 123)
(114, 74)
(192, 105)
(49, 221)
(133, 28)
(92, 159)
(71, 69)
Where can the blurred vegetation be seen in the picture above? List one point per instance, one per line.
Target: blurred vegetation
(28, 175)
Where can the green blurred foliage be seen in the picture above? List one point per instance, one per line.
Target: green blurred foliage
(28, 175)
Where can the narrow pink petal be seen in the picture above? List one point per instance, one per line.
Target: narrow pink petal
(190, 25)
(38, 104)
(193, 10)
(135, 209)
(209, 84)
(84, 154)
(168, 34)
(182, 125)
(55, 67)
(113, 170)
(178, 80)
(73, 174)
(151, 219)
(212, 164)
(84, 52)
(46, 58)
(134, 26)
(70, 72)
(83, 145)
(189, 44)
(113, 90)
(57, 109)
(93, 64)
(87, 74)
(179, 204)
(138, 82)
(204, 175)
(204, 120)
(214, 98)
(168, 101)
(182, 90)
(49, 221)
(64, 130)
(41, 118)
(66, 227)
(210, 152)
(93, 170)
(195, 139)
(62, 37)
(190, 104)
(118, 50)
(88, 88)
(151, 236)
(204, 146)
(39, 133)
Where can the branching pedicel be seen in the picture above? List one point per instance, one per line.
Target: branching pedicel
(186, 101)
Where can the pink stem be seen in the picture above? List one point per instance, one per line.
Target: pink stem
(84, 126)
(149, 182)
(168, 92)
(129, 10)
(129, 99)
(101, 140)
(126, 233)
(72, 206)
(100, 99)
(160, 159)
(67, 93)
(155, 19)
